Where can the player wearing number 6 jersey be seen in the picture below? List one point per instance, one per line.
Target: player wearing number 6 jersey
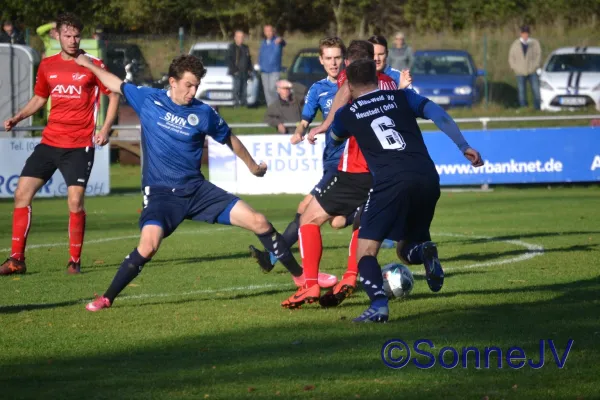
(341, 195)
(405, 181)
(67, 141)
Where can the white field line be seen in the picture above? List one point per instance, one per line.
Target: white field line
(533, 250)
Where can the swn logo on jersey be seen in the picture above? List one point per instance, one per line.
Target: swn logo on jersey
(69, 89)
(77, 76)
(175, 119)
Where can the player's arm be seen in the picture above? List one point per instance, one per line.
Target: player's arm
(111, 81)
(341, 97)
(32, 106)
(238, 148)
(309, 111)
(111, 116)
(338, 133)
(446, 124)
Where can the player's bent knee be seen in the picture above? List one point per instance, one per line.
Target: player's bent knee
(338, 222)
(260, 223)
(148, 249)
(304, 203)
(399, 248)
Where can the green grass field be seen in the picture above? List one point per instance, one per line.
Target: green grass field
(201, 321)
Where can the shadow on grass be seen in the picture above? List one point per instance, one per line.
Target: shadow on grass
(287, 360)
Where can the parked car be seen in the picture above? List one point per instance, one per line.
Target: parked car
(446, 77)
(306, 68)
(570, 79)
(216, 88)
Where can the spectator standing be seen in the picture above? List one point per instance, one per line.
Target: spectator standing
(400, 56)
(287, 108)
(239, 66)
(525, 57)
(10, 34)
(269, 59)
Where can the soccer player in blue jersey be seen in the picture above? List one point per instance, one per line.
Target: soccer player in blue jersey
(381, 52)
(174, 127)
(406, 184)
(332, 52)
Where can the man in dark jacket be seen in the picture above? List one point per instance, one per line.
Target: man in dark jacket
(287, 108)
(239, 66)
(10, 34)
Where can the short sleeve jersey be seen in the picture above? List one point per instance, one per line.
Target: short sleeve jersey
(352, 160)
(173, 136)
(74, 95)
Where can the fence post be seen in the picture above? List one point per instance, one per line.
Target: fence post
(181, 40)
(485, 76)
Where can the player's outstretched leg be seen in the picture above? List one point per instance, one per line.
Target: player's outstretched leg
(372, 282)
(131, 267)
(244, 216)
(424, 253)
(267, 260)
(290, 235)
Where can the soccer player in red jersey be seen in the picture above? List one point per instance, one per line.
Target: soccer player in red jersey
(342, 195)
(67, 141)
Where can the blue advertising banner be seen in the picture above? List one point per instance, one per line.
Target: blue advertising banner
(541, 155)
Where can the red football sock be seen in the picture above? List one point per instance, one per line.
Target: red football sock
(352, 270)
(20, 229)
(76, 232)
(311, 250)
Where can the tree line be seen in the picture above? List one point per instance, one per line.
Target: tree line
(341, 17)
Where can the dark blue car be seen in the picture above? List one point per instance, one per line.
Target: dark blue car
(447, 77)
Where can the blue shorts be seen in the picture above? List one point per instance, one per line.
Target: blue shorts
(400, 210)
(328, 174)
(168, 208)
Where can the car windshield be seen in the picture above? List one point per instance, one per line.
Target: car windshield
(308, 63)
(437, 64)
(574, 63)
(211, 57)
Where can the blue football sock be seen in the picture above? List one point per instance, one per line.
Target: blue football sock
(290, 235)
(413, 252)
(372, 280)
(129, 269)
(274, 243)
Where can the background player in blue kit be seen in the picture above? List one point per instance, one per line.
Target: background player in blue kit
(332, 52)
(174, 127)
(405, 181)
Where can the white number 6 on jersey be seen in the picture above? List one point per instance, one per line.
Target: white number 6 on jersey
(387, 135)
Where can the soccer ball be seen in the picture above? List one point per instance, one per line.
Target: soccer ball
(398, 280)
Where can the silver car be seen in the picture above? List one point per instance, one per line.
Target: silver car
(216, 89)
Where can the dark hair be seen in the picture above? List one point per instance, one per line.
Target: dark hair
(186, 63)
(330, 42)
(380, 40)
(360, 49)
(68, 19)
(362, 73)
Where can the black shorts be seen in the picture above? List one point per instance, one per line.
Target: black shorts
(400, 210)
(344, 193)
(75, 165)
